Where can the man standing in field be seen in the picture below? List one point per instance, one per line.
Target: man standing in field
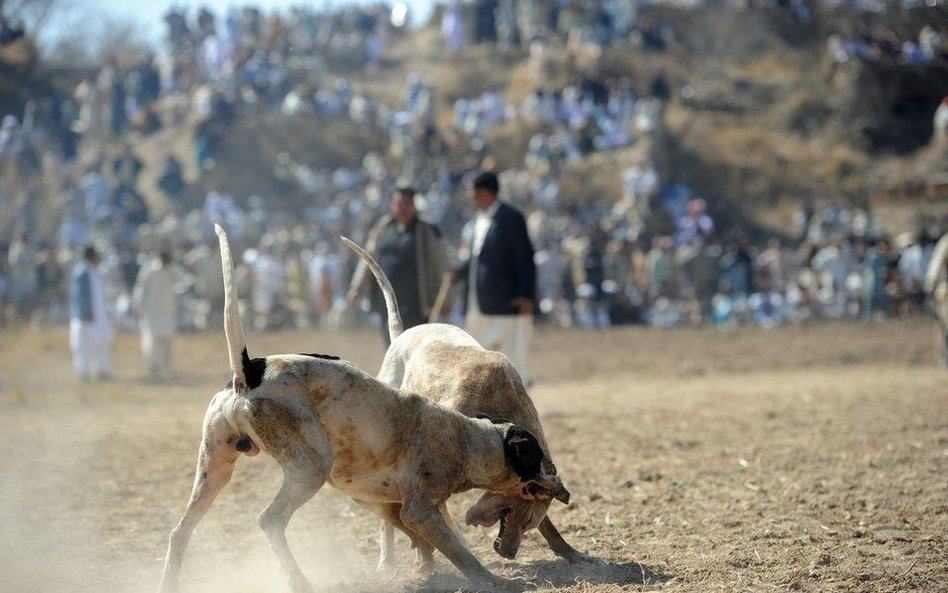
(90, 327)
(412, 254)
(936, 286)
(500, 274)
(157, 309)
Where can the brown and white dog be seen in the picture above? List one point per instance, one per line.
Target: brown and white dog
(445, 364)
(323, 419)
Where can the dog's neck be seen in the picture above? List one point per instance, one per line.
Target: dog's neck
(487, 462)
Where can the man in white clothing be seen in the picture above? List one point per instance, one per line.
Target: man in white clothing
(90, 326)
(157, 309)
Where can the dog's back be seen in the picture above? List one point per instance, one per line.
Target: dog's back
(444, 363)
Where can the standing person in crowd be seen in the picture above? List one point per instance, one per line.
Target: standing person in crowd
(204, 261)
(24, 286)
(500, 273)
(90, 326)
(157, 309)
(936, 286)
(412, 254)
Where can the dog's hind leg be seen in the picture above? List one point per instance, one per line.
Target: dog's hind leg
(216, 458)
(298, 443)
(386, 545)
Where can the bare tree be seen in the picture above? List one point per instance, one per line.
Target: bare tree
(34, 14)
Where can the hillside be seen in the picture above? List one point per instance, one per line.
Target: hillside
(761, 118)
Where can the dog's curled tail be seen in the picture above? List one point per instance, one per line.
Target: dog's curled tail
(391, 304)
(233, 327)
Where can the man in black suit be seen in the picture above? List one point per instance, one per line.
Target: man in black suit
(501, 277)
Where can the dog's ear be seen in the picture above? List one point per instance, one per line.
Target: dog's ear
(546, 488)
(560, 492)
(523, 452)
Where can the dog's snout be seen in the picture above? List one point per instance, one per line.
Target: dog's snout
(243, 443)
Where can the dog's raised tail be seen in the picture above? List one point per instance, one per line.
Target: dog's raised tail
(391, 304)
(233, 327)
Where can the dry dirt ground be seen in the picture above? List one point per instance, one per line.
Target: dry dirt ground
(807, 458)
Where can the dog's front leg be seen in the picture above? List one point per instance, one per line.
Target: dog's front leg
(420, 515)
(561, 547)
(390, 513)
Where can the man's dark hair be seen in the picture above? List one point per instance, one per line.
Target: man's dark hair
(487, 180)
(406, 191)
(89, 253)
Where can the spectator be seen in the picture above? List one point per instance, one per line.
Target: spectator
(940, 121)
(171, 181)
(90, 327)
(411, 253)
(156, 304)
(500, 298)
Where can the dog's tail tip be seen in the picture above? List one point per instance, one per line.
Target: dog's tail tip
(395, 327)
(233, 327)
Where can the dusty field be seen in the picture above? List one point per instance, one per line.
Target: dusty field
(812, 459)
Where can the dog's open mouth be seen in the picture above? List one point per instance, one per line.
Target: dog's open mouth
(499, 547)
(504, 513)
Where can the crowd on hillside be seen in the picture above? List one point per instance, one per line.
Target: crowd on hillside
(594, 268)
(662, 256)
(927, 48)
(519, 23)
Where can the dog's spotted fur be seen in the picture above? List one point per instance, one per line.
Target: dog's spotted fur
(446, 365)
(322, 419)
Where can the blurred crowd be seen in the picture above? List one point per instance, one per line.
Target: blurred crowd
(877, 45)
(663, 255)
(657, 259)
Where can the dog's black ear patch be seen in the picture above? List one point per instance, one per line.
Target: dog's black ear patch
(253, 369)
(523, 451)
(322, 356)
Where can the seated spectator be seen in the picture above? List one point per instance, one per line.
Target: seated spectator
(171, 181)
(10, 33)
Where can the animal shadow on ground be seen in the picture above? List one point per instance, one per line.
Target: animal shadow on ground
(556, 574)
(547, 574)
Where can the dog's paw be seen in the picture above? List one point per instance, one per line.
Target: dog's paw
(496, 583)
(580, 558)
(301, 584)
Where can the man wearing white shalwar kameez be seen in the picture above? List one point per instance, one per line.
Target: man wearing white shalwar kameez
(90, 326)
(158, 313)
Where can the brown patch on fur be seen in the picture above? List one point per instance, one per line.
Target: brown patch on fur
(275, 424)
(344, 447)
(317, 394)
